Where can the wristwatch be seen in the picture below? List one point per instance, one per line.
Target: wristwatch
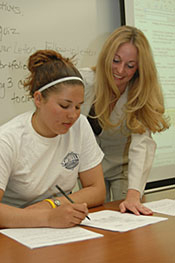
(56, 202)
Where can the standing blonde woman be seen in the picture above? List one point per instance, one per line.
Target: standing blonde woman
(124, 104)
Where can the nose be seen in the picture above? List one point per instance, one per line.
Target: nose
(73, 114)
(120, 68)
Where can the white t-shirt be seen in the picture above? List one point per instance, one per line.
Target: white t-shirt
(126, 155)
(31, 165)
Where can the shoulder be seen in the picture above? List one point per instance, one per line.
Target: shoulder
(16, 126)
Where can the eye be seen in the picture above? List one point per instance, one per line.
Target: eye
(131, 66)
(78, 107)
(64, 106)
(116, 60)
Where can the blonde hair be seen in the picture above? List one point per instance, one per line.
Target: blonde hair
(145, 105)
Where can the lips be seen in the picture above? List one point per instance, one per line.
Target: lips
(68, 125)
(117, 76)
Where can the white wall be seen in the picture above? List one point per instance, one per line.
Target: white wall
(67, 26)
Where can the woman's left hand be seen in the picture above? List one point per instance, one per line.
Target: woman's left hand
(132, 203)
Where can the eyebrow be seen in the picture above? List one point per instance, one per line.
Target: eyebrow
(128, 61)
(132, 61)
(71, 101)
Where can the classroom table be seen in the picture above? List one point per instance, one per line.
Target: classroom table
(153, 243)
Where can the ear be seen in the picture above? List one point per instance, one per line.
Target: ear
(37, 98)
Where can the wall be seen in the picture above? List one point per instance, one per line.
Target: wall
(71, 27)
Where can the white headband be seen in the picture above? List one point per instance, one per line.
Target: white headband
(59, 81)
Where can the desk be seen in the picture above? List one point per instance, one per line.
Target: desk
(151, 244)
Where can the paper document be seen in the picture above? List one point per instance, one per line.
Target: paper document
(40, 237)
(164, 206)
(116, 221)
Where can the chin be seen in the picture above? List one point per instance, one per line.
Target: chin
(63, 132)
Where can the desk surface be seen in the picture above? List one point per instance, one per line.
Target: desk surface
(153, 244)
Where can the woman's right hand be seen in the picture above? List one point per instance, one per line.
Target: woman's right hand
(67, 215)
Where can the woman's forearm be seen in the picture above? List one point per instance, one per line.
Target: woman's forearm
(92, 195)
(18, 217)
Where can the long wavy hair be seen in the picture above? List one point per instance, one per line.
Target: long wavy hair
(145, 105)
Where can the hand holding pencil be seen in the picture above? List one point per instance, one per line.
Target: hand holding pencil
(63, 193)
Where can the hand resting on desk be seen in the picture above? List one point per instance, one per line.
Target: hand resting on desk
(133, 204)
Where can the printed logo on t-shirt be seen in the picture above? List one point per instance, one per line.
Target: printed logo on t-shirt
(70, 161)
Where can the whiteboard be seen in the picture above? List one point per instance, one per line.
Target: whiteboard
(71, 27)
(156, 18)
